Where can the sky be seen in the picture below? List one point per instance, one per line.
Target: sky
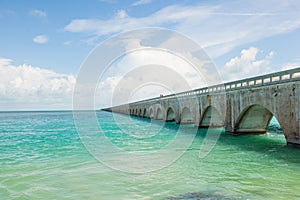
(43, 44)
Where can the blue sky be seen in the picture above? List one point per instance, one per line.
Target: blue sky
(45, 39)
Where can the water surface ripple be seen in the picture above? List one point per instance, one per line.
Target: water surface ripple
(42, 157)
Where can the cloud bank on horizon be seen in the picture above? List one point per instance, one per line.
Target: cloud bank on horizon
(239, 35)
(24, 86)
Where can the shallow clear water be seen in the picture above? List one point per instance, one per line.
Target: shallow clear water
(42, 157)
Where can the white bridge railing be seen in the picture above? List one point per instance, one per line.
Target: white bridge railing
(258, 81)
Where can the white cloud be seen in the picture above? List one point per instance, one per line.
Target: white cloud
(38, 13)
(219, 28)
(246, 65)
(152, 59)
(5, 61)
(146, 74)
(121, 14)
(108, 1)
(40, 39)
(291, 66)
(27, 87)
(68, 43)
(141, 2)
(102, 27)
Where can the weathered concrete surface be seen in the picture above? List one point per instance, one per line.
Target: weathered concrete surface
(242, 107)
(252, 109)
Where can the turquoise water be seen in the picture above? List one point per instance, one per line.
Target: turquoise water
(42, 157)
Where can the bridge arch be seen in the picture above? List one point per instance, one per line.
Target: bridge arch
(186, 116)
(140, 113)
(211, 118)
(145, 114)
(159, 114)
(151, 113)
(170, 116)
(253, 119)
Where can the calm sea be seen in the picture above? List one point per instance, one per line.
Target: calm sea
(43, 157)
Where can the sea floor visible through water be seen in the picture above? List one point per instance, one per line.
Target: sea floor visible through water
(43, 157)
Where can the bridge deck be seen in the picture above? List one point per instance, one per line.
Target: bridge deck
(258, 81)
(243, 106)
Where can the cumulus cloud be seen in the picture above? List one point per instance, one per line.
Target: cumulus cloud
(38, 13)
(147, 63)
(219, 27)
(146, 74)
(247, 65)
(216, 27)
(27, 87)
(40, 39)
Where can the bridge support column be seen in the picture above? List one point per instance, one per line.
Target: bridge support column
(292, 140)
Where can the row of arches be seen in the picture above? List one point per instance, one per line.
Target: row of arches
(185, 116)
(138, 112)
(253, 119)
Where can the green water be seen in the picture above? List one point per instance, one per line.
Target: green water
(42, 157)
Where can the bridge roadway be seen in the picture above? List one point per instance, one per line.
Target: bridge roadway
(242, 107)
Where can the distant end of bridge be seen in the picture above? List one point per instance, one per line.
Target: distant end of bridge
(241, 107)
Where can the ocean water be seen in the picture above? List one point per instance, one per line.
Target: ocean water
(42, 156)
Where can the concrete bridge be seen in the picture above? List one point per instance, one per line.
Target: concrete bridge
(242, 107)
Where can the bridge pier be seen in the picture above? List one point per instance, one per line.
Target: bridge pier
(241, 107)
(249, 112)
